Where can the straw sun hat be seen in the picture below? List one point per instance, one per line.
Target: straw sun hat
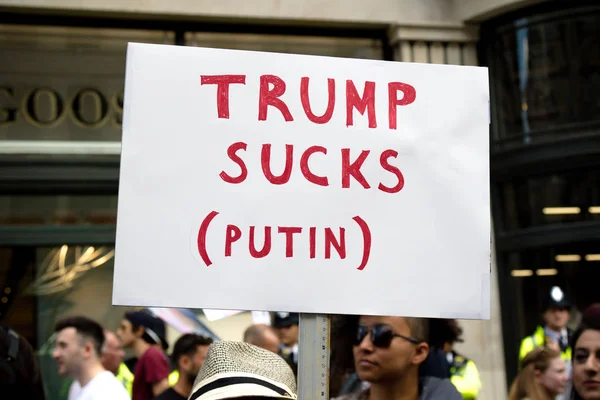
(235, 369)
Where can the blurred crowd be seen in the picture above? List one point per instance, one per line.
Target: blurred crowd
(372, 358)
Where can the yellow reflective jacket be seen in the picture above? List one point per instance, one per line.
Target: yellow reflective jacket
(173, 377)
(464, 375)
(538, 339)
(125, 376)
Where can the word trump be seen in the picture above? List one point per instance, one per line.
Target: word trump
(273, 87)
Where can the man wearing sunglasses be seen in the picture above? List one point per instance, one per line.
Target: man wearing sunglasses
(387, 354)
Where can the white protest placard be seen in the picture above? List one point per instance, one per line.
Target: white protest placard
(263, 181)
(215, 315)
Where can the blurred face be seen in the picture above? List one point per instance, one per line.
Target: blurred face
(190, 365)
(555, 378)
(385, 364)
(70, 352)
(586, 365)
(125, 333)
(112, 354)
(288, 334)
(557, 318)
(270, 341)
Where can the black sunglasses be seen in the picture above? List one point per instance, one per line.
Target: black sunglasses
(381, 336)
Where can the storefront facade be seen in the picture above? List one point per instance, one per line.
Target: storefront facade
(544, 67)
(61, 104)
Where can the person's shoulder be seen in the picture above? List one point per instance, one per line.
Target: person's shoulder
(169, 394)
(74, 389)
(152, 350)
(539, 329)
(109, 386)
(439, 389)
(362, 395)
(75, 386)
(153, 353)
(460, 360)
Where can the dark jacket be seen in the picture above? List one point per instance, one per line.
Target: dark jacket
(435, 365)
(430, 388)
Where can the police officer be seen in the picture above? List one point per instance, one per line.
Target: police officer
(125, 376)
(554, 333)
(464, 375)
(287, 327)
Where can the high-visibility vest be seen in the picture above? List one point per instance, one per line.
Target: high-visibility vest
(125, 376)
(173, 377)
(538, 339)
(464, 375)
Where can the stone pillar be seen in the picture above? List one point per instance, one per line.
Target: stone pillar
(456, 45)
(483, 343)
(438, 44)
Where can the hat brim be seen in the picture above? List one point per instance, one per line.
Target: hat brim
(559, 306)
(234, 386)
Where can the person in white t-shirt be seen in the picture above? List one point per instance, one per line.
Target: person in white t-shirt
(77, 354)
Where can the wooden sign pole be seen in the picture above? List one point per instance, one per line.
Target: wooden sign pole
(313, 357)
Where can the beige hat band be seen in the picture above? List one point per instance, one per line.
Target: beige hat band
(245, 385)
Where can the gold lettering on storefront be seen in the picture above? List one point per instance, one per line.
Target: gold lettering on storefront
(45, 107)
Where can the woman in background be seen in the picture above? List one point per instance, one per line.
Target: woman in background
(543, 376)
(586, 356)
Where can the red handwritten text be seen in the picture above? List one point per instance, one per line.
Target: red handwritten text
(272, 88)
(331, 239)
(351, 163)
(271, 96)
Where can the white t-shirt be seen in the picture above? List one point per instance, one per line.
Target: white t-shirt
(103, 386)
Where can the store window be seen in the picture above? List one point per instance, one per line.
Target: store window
(547, 76)
(65, 83)
(58, 210)
(560, 198)
(310, 45)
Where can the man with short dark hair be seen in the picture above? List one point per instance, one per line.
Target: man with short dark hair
(188, 356)
(140, 331)
(77, 351)
(387, 354)
(262, 335)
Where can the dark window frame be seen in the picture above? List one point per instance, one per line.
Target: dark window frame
(183, 24)
(535, 15)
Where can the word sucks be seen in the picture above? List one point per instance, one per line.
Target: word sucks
(350, 166)
(272, 88)
(326, 236)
